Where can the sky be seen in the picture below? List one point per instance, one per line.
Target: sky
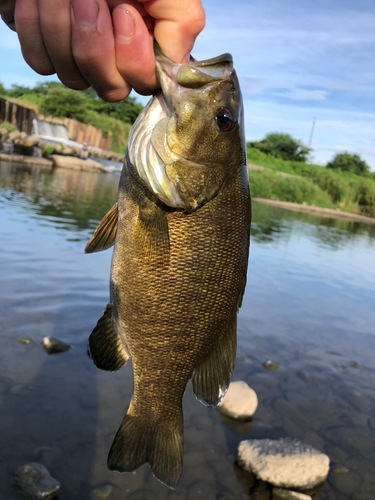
(295, 60)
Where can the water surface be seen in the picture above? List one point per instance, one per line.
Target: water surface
(309, 306)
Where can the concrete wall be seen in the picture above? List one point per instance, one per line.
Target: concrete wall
(22, 116)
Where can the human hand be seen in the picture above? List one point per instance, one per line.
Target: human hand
(103, 43)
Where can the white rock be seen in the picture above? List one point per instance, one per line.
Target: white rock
(287, 463)
(240, 401)
(54, 346)
(280, 494)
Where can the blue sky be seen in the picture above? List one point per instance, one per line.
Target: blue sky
(296, 61)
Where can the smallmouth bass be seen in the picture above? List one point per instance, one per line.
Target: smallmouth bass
(180, 231)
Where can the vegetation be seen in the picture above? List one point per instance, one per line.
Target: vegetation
(64, 103)
(9, 127)
(53, 98)
(348, 162)
(282, 146)
(311, 184)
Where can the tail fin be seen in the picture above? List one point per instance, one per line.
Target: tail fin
(139, 441)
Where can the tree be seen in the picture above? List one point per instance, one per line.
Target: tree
(65, 103)
(126, 110)
(282, 146)
(2, 89)
(349, 162)
(18, 90)
(42, 88)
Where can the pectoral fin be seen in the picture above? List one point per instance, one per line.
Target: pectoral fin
(105, 234)
(105, 346)
(152, 235)
(212, 377)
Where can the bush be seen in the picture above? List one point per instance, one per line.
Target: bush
(9, 127)
(282, 146)
(270, 185)
(348, 162)
(65, 103)
(365, 196)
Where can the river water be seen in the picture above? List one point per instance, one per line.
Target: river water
(309, 306)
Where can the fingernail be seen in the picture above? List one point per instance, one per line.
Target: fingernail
(85, 12)
(124, 25)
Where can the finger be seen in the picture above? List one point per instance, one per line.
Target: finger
(30, 36)
(7, 13)
(135, 57)
(55, 22)
(93, 49)
(177, 24)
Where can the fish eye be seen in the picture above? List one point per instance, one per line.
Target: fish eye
(224, 119)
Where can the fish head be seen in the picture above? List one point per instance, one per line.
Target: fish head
(197, 140)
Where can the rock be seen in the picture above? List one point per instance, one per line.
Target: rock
(287, 463)
(12, 136)
(3, 133)
(54, 346)
(340, 470)
(25, 340)
(20, 139)
(20, 389)
(73, 163)
(269, 365)
(240, 401)
(35, 482)
(31, 140)
(41, 452)
(281, 494)
(103, 491)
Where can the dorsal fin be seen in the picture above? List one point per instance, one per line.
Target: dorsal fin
(105, 234)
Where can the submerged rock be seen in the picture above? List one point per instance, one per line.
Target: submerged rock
(287, 463)
(240, 401)
(25, 340)
(340, 470)
(54, 346)
(269, 365)
(103, 491)
(281, 494)
(35, 482)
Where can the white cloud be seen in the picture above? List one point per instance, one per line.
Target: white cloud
(304, 95)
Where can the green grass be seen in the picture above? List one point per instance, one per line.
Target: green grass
(312, 184)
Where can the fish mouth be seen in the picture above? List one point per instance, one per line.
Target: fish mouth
(192, 75)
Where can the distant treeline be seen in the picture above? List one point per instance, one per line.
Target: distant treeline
(53, 98)
(299, 182)
(285, 147)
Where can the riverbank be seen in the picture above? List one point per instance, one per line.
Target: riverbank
(302, 183)
(311, 209)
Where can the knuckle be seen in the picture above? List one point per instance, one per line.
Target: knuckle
(114, 95)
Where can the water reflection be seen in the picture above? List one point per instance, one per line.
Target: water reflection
(79, 199)
(271, 224)
(309, 306)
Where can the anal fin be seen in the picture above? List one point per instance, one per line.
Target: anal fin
(105, 234)
(212, 377)
(105, 346)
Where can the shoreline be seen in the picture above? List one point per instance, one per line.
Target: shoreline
(312, 209)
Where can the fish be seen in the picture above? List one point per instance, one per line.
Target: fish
(180, 231)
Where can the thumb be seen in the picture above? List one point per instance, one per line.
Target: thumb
(177, 24)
